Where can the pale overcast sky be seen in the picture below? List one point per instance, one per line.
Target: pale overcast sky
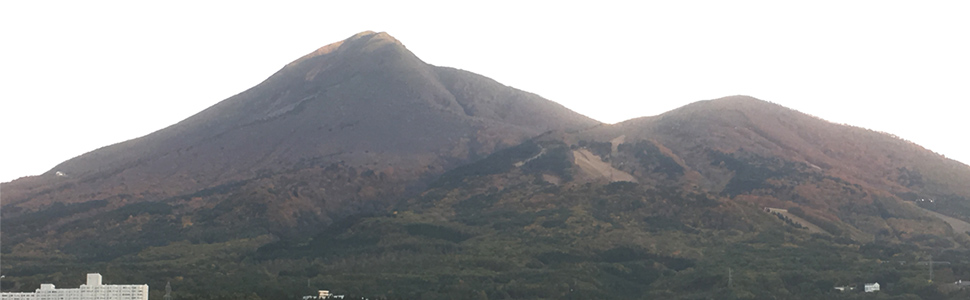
(78, 75)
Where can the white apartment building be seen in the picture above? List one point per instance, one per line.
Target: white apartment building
(872, 287)
(93, 290)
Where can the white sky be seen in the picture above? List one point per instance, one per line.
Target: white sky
(78, 75)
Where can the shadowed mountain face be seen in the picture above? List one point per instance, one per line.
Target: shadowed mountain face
(362, 108)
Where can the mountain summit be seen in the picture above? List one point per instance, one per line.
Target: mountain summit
(362, 109)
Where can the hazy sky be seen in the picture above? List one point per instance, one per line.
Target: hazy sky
(78, 75)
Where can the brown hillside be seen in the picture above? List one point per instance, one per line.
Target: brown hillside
(755, 151)
(740, 122)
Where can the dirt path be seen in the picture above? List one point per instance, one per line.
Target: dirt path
(808, 225)
(522, 163)
(957, 224)
(597, 168)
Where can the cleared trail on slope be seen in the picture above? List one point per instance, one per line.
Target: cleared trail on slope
(808, 225)
(596, 167)
(957, 224)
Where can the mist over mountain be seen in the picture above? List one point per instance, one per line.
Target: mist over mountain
(361, 169)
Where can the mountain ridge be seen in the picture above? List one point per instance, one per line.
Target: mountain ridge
(750, 118)
(362, 168)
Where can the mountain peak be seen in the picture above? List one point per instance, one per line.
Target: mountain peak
(370, 37)
(363, 33)
(732, 103)
(367, 34)
(365, 41)
(368, 41)
(739, 98)
(735, 101)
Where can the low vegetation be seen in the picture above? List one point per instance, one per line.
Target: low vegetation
(495, 230)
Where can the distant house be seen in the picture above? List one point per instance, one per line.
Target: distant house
(872, 287)
(323, 294)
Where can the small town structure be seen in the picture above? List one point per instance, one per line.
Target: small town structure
(323, 294)
(963, 284)
(92, 290)
(872, 287)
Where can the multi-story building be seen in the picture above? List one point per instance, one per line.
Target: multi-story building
(93, 290)
(872, 287)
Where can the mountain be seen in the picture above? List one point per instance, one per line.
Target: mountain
(348, 127)
(362, 170)
(767, 129)
(733, 198)
(716, 143)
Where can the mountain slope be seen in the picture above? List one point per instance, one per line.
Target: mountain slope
(365, 104)
(681, 206)
(500, 228)
(360, 169)
(769, 129)
(660, 207)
